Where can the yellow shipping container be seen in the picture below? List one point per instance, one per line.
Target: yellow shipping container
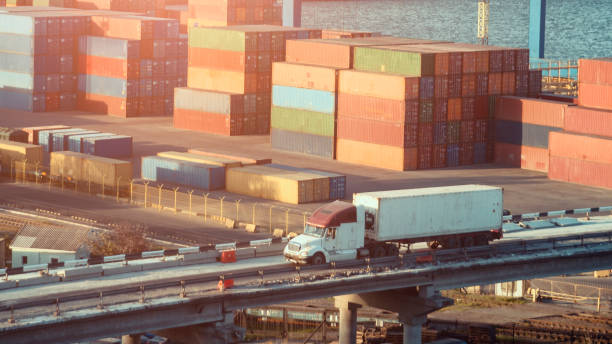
(243, 160)
(219, 80)
(85, 168)
(381, 156)
(200, 159)
(276, 184)
(16, 151)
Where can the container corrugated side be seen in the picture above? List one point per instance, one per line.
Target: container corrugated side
(200, 159)
(580, 172)
(61, 140)
(378, 132)
(102, 85)
(220, 38)
(302, 98)
(378, 85)
(11, 151)
(117, 146)
(304, 76)
(11, 134)
(588, 121)
(596, 96)
(595, 71)
(202, 100)
(45, 137)
(581, 147)
(387, 60)
(75, 142)
(109, 47)
(375, 108)
(375, 155)
(337, 182)
(533, 111)
(33, 131)
(523, 133)
(303, 121)
(83, 167)
(323, 146)
(415, 213)
(203, 176)
(22, 100)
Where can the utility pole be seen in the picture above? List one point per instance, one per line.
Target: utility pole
(483, 21)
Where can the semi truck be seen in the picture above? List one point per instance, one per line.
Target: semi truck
(377, 224)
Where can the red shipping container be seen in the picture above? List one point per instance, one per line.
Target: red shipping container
(469, 62)
(595, 71)
(454, 109)
(481, 106)
(588, 121)
(468, 85)
(507, 154)
(439, 156)
(468, 108)
(580, 172)
(52, 101)
(495, 83)
(508, 83)
(441, 86)
(522, 60)
(378, 132)
(214, 123)
(466, 153)
(455, 63)
(535, 83)
(580, 147)
(454, 85)
(596, 96)
(440, 113)
(496, 61)
(522, 83)
(425, 134)
(480, 130)
(425, 157)
(109, 67)
(122, 107)
(534, 111)
(482, 84)
(350, 105)
(509, 60)
(467, 131)
(529, 158)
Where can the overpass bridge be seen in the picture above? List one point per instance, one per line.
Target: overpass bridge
(161, 293)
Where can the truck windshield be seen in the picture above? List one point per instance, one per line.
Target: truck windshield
(314, 231)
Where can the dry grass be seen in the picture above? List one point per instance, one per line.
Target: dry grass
(468, 301)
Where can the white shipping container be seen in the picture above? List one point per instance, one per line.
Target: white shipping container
(415, 213)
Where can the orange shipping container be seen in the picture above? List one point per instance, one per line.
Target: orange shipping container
(304, 76)
(595, 71)
(580, 147)
(508, 83)
(381, 85)
(222, 80)
(593, 95)
(369, 154)
(588, 121)
(379, 132)
(121, 27)
(109, 67)
(468, 85)
(495, 83)
(372, 108)
(238, 61)
(529, 158)
(454, 109)
(580, 172)
(215, 123)
(533, 111)
(122, 107)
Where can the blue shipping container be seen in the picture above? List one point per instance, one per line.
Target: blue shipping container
(452, 155)
(302, 98)
(60, 140)
(45, 137)
(202, 176)
(523, 134)
(24, 101)
(113, 87)
(117, 146)
(480, 153)
(75, 142)
(109, 47)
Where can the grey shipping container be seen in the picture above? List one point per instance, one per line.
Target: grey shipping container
(203, 176)
(75, 142)
(113, 87)
(117, 146)
(109, 47)
(22, 100)
(60, 140)
(214, 102)
(45, 137)
(323, 146)
(23, 44)
(523, 134)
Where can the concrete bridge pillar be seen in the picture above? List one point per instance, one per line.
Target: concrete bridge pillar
(411, 304)
(209, 333)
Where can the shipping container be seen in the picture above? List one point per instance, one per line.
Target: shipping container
(580, 172)
(394, 134)
(10, 134)
(307, 143)
(200, 159)
(390, 59)
(302, 98)
(245, 160)
(533, 111)
(117, 146)
(337, 182)
(213, 101)
(11, 151)
(196, 175)
(86, 168)
(116, 48)
(61, 139)
(374, 108)
(595, 71)
(379, 85)
(45, 137)
(33, 131)
(595, 96)
(305, 76)
(588, 121)
(526, 134)
(75, 142)
(375, 155)
(303, 121)
(581, 147)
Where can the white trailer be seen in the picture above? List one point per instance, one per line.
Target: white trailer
(377, 222)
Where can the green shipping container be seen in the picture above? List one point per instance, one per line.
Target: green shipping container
(222, 39)
(303, 121)
(387, 60)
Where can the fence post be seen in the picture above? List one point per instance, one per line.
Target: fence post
(598, 299)
(206, 205)
(23, 174)
(271, 218)
(190, 199)
(76, 184)
(287, 223)
(237, 209)
(88, 182)
(36, 175)
(50, 182)
(254, 205)
(222, 198)
(146, 185)
(118, 183)
(11, 168)
(62, 177)
(159, 206)
(131, 191)
(175, 194)
(103, 186)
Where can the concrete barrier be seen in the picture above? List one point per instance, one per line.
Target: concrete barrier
(7, 284)
(160, 265)
(43, 279)
(229, 223)
(251, 228)
(278, 233)
(200, 258)
(245, 252)
(81, 273)
(109, 271)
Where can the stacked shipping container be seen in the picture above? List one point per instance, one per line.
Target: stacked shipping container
(231, 67)
(234, 12)
(595, 83)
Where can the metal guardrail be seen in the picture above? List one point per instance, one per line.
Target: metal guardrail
(556, 213)
(348, 268)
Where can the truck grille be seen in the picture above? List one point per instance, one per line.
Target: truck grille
(293, 247)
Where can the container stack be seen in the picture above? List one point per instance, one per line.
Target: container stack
(338, 34)
(234, 12)
(595, 83)
(11, 151)
(522, 128)
(231, 67)
(130, 66)
(85, 168)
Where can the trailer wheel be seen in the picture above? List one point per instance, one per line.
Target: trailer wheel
(482, 240)
(318, 259)
(378, 251)
(392, 250)
(433, 244)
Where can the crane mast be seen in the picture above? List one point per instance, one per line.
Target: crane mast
(483, 21)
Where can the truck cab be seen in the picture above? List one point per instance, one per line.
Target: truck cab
(334, 232)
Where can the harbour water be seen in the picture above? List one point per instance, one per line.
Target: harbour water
(574, 28)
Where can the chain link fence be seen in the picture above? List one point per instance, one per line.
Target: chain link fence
(576, 291)
(214, 206)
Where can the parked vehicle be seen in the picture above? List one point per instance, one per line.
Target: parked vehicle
(377, 223)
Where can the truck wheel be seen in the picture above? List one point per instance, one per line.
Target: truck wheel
(378, 251)
(318, 259)
(482, 241)
(433, 244)
(392, 250)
